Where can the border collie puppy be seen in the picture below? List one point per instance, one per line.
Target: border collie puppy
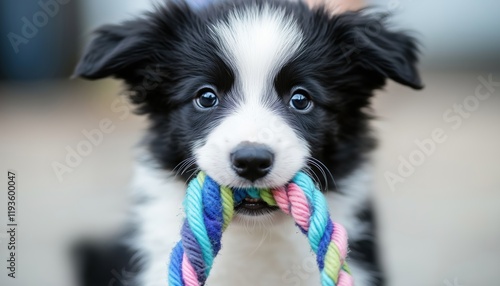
(252, 92)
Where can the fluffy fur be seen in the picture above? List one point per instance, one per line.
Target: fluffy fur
(253, 55)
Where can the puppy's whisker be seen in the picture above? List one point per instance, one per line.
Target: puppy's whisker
(324, 170)
(313, 175)
(324, 167)
(188, 167)
(265, 234)
(322, 173)
(184, 165)
(194, 172)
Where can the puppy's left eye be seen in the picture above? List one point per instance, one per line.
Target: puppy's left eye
(206, 98)
(301, 101)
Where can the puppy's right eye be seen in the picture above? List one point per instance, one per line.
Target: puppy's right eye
(301, 101)
(206, 98)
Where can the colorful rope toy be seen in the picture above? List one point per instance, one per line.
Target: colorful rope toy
(210, 208)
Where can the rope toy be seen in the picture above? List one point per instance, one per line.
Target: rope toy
(209, 209)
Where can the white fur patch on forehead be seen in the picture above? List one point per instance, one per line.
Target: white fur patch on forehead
(257, 42)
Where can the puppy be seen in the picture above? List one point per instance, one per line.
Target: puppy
(252, 92)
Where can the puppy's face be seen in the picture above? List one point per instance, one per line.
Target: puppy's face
(253, 93)
(255, 141)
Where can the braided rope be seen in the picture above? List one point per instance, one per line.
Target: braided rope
(210, 208)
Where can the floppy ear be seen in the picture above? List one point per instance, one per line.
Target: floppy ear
(386, 53)
(114, 49)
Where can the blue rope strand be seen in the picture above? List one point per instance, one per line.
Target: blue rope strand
(193, 251)
(323, 245)
(175, 271)
(212, 204)
(194, 214)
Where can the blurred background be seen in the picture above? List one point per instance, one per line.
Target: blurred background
(439, 206)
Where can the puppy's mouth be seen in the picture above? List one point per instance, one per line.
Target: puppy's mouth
(254, 207)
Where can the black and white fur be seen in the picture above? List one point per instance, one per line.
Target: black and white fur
(253, 55)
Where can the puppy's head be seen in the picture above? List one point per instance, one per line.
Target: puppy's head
(251, 93)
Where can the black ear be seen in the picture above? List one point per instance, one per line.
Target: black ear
(114, 49)
(386, 53)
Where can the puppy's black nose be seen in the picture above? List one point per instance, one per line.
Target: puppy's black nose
(252, 161)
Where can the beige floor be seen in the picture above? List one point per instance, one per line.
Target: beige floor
(441, 226)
